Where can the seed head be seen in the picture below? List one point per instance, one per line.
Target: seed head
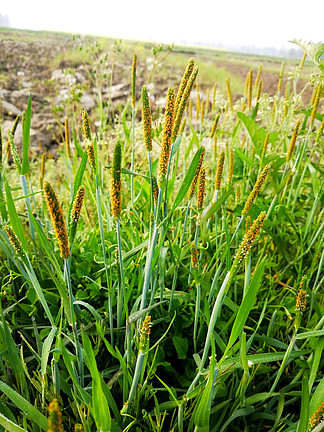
(302, 295)
(183, 125)
(259, 90)
(248, 224)
(195, 179)
(258, 77)
(280, 76)
(15, 242)
(293, 140)
(214, 97)
(115, 181)
(250, 82)
(78, 428)
(155, 190)
(86, 126)
(134, 66)
(145, 333)
(201, 189)
(183, 103)
(77, 205)
(194, 256)
(219, 170)
(14, 152)
(55, 418)
(265, 145)
(67, 138)
(214, 127)
(320, 131)
(255, 190)
(230, 165)
(183, 83)
(318, 416)
(91, 156)
(146, 119)
(246, 244)
(167, 136)
(316, 102)
(229, 94)
(56, 214)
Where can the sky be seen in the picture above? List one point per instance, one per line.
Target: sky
(255, 23)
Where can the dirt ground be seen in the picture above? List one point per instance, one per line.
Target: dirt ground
(35, 63)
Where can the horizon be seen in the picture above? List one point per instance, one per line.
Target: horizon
(244, 29)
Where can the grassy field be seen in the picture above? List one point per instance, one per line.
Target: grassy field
(165, 271)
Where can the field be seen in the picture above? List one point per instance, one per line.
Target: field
(161, 237)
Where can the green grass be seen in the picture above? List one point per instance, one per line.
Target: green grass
(227, 349)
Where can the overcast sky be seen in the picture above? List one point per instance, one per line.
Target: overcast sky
(260, 23)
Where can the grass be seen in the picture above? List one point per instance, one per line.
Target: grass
(128, 326)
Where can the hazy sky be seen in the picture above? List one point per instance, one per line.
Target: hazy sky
(257, 23)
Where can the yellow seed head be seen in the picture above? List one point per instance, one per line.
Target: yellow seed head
(219, 170)
(302, 61)
(155, 190)
(214, 127)
(54, 418)
(214, 97)
(320, 131)
(194, 256)
(167, 136)
(248, 240)
(183, 102)
(15, 242)
(56, 214)
(229, 94)
(265, 145)
(248, 224)
(317, 417)
(146, 119)
(237, 194)
(255, 190)
(280, 76)
(183, 125)
(293, 140)
(86, 126)
(91, 156)
(145, 333)
(134, 66)
(78, 428)
(250, 82)
(183, 84)
(316, 102)
(115, 182)
(198, 104)
(207, 101)
(42, 169)
(258, 77)
(77, 205)
(202, 111)
(67, 138)
(230, 166)
(195, 179)
(201, 188)
(259, 90)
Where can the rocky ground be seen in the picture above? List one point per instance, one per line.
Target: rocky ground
(62, 81)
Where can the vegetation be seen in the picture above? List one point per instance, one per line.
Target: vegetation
(167, 274)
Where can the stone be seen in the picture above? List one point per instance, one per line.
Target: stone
(9, 109)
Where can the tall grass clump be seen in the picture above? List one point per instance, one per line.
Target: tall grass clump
(172, 283)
